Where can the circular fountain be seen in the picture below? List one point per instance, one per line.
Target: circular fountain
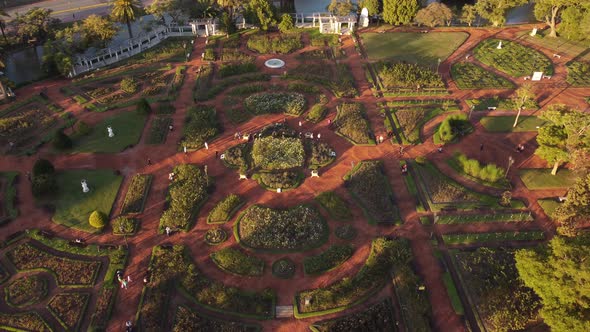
(274, 63)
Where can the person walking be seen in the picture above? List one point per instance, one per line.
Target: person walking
(168, 230)
(149, 162)
(206, 146)
(481, 147)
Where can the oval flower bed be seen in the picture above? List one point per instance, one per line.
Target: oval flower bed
(278, 153)
(298, 228)
(236, 262)
(215, 236)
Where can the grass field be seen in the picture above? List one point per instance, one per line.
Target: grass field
(453, 294)
(548, 205)
(127, 127)
(412, 47)
(503, 124)
(559, 45)
(541, 178)
(72, 207)
(513, 58)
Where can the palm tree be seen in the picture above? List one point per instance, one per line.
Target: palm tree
(2, 23)
(125, 11)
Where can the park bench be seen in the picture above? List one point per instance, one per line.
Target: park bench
(492, 108)
(77, 244)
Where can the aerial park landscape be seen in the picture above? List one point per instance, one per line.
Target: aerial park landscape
(255, 165)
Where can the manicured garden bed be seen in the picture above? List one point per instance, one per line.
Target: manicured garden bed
(104, 305)
(497, 103)
(541, 178)
(337, 78)
(343, 294)
(9, 209)
(200, 125)
(28, 321)
(67, 271)
(215, 236)
(283, 180)
(136, 194)
(124, 225)
(370, 187)
(271, 153)
(345, 232)
(283, 268)
(578, 73)
(335, 205)
(159, 130)
(469, 238)
(409, 121)
(186, 319)
(291, 103)
(400, 77)
(186, 193)
(237, 262)
(127, 128)
(320, 154)
(68, 309)
(483, 218)
(73, 207)
(351, 123)
(281, 44)
(470, 76)
(504, 124)
(225, 209)
(378, 317)
(513, 59)
(328, 260)
(485, 174)
(296, 229)
(26, 291)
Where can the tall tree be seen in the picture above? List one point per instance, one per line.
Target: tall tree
(549, 11)
(35, 23)
(399, 11)
(559, 274)
(3, 23)
(232, 7)
(522, 96)
(434, 14)
(340, 7)
(576, 208)
(373, 6)
(98, 29)
(575, 22)
(177, 9)
(468, 14)
(262, 12)
(495, 10)
(286, 24)
(126, 11)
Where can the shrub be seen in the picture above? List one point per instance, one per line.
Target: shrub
(42, 167)
(406, 75)
(97, 219)
(327, 260)
(236, 156)
(350, 122)
(490, 172)
(82, 129)
(286, 23)
(143, 107)
(224, 210)
(454, 126)
(61, 141)
(200, 125)
(123, 225)
(129, 85)
(278, 153)
(317, 113)
(346, 232)
(336, 206)
(282, 44)
(288, 102)
(231, 69)
(237, 262)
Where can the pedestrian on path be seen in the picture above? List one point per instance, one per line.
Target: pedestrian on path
(185, 149)
(481, 147)
(168, 230)
(380, 138)
(206, 146)
(216, 154)
(171, 127)
(149, 161)
(124, 284)
(129, 279)
(300, 124)
(319, 136)
(401, 150)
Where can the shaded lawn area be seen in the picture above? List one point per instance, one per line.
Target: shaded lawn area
(541, 178)
(503, 124)
(549, 205)
(127, 127)
(73, 207)
(412, 47)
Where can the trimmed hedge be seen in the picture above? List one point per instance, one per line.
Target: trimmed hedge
(334, 204)
(225, 209)
(136, 194)
(236, 262)
(330, 259)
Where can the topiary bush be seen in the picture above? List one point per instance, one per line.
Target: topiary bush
(453, 127)
(143, 107)
(286, 23)
(62, 141)
(43, 166)
(43, 179)
(97, 219)
(83, 129)
(283, 268)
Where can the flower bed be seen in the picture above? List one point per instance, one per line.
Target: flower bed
(291, 103)
(317, 113)
(330, 259)
(238, 68)
(513, 59)
(342, 294)
(337, 78)
(159, 130)
(345, 232)
(200, 125)
(237, 156)
(469, 238)
(207, 90)
(29, 321)
(245, 90)
(26, 291)
(295, 229)
(378, 317)
(351, 123)
(188, 320)
(282, 44)
(279, 179)
(278, 153)
(409, 121)
(215, 236)
(335, 205)
(236, 262)
(68, 309)
(124, 226)
(9, 209)
(283, 268)
(505, 104)
(441, 189)
(470, 76)
(186, 193)
(136, 194)
(67, 271)
(225, 209)
(407, 76)
(370, 187)
(321, 154)
(104, 306)
(578, 73)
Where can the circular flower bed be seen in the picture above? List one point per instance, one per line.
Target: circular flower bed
(283, 268)
(346, 232)
(215, 236)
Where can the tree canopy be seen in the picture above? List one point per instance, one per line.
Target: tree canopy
(98, 29)
(373, 6)
(575, 22)
(35, 23)
(549, 11)
(262, 12)
(576, 208)
(559, 274)
(340, 7)
(468, 14)
(399, 11)
(125, 11)
(495, 10)
(434, 14)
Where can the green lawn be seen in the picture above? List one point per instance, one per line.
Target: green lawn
(453, 294)
(503, 124)
(72, 206)
(513, 59)
(469, 76)
(412, 47)
(127, 127)
(559, 45)
(541, 178)
(548, 205)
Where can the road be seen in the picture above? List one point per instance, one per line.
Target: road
(68, 10)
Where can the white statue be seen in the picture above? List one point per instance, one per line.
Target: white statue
(534, 32)
(85, 188)
(110, 131)
(499, 45)
(364, 18)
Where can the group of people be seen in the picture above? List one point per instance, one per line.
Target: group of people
(520, 148)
